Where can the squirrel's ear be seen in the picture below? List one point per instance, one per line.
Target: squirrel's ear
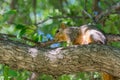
(63, 26)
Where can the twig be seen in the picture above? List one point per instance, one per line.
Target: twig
(90, 16)
(87, 14)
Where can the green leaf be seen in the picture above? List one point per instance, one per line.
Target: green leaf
(35, 37)
(33, 27)
(45, 77)
(12, 73)
(5, 73)
(20, 26)
(21, 33)
(29, 31)
(10, 12)
(64, 77)
(1, 18)
(40, 38)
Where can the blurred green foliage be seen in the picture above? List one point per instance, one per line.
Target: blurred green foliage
(7, 74)
(38, 20)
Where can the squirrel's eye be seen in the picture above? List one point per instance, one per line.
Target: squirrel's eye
(57, 31)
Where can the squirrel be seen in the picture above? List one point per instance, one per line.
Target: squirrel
(83, 35)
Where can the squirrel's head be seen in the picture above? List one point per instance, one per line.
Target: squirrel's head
(61, 35)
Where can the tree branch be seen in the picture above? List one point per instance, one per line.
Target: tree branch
(51, 61)
(113, 8)
(113, 37)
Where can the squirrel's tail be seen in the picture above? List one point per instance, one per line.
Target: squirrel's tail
(92, 33)
(97, 36)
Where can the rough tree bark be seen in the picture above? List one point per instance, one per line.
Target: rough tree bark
(61, 60)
